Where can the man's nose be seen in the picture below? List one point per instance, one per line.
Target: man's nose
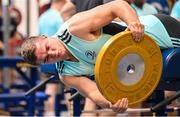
(51, 53)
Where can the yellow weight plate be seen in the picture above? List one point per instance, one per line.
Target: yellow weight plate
(125, 68)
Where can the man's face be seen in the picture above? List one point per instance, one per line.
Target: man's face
(48, 50)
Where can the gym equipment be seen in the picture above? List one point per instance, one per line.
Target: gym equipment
(170, 79)
(51, 70)
(171, 59)
(32, 90)
(133, 69)
(30, 80)
(168, 109)
(153, 109)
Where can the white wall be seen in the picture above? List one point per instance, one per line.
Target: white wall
(21, 5)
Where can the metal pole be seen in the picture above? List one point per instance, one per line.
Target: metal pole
(165, 102)
(34, 89)
(127, 111)
(6, 36)
(6, 24)
(131, 110)
(28, 17)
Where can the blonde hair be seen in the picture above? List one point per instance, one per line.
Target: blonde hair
(27, 50)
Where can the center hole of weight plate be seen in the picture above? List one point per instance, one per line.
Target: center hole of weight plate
(130, 69)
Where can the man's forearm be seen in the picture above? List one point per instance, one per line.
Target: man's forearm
(93, 93)
(88, 89)
(124, 11)
(99, 99)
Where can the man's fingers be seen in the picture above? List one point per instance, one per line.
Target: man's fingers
(115, 106)
(120, 106)
(141, 30)
(137, 31)
(134, 31)
(124, 105)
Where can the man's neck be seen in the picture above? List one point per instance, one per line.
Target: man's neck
(67, 54)
(71, 57)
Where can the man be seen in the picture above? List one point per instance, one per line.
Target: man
(175, 12)
(143, 8)
(161, 5)
(83, 33)
(50, 27)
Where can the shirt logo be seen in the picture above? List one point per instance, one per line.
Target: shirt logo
(90, 54)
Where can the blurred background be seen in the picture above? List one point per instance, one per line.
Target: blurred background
(22, 18)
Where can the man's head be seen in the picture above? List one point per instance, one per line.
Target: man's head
(27, 50)
(40, 49)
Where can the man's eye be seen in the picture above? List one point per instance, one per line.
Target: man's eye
(47, 48)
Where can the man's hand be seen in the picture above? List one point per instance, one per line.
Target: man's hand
(137, 30)
(120, 106)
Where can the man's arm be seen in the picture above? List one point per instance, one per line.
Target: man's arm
(87, 88)
(94, 19)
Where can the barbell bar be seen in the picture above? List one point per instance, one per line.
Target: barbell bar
(152, 109)
(129, 110)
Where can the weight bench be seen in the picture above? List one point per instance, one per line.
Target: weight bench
(171, 74)
(30, 80)
(170, 79)
(51, 70)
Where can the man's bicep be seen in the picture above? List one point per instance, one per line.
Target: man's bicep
(91, 20)
(100, 17)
